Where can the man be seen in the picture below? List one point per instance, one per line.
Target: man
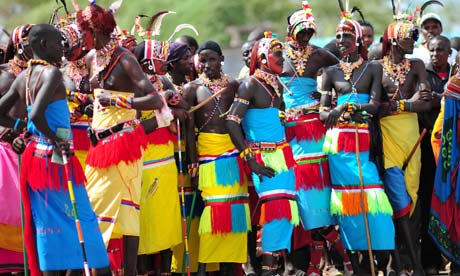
(431, 26)
(225, 219)
(305, 133)
(246, 49)
(438, 73)
(368, 33)
(357, 83)
(11, 257)
(267, 153)
(49, 217)
(405, 85)
(114, 161)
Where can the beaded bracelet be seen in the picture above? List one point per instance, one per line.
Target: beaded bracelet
(241, 100)
(234, 118)
(193, 169)
(16, 124)
(77, 97)
(401, 105)
(125, 102)
(351, 108)
(247, 154)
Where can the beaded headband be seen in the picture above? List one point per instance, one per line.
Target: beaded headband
(268, 43)
(301, 20)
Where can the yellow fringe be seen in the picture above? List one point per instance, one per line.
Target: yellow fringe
(205, 221)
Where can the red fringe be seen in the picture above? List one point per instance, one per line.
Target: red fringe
(127, 147)
(259, 159)
(80, 139)
(308, 130)
(40, 173)
(275, 209)
(160, 136)
(221, 217)
(241, 166)
(308, 176)
(301, 237)
(347, 142)
(289, 157)
(115, 253)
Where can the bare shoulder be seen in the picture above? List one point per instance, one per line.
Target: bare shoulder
(416, 62)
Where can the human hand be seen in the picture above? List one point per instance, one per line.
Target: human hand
(105, 98)
(316, 95)
(18, 145)
(180, 113)
(260, 170)
(334, 116)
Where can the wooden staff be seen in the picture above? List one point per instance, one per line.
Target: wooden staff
(412, 152)
(24, 252)
(361, 186)
(206, 101)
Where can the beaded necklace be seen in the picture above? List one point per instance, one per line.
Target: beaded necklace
(179, 87)
(396, 72)
(156, 82)
(299, 57)
(30, 95)
(270, 79)
(104, 56)
(77, 71)
(213, 87)
(348, 67)
(17, 65)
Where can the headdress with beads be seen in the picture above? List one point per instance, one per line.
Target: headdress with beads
(17, 42)
(350, 26)
(301, 20)
(263, 46)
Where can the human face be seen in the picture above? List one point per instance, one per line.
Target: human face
(209, 61)
(439, 52)
(185, 64)
(368, 36)
(275, 59)
(303, 37)
(246, 50)
(406, 45)
(431, 28)
(346, 43)
(53, 47)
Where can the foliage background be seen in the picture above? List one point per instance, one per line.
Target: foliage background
(212, 17)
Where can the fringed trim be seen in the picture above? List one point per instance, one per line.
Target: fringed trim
(226, 217)
(343, 138)
(121, 146)
(223, 171)
(40, 173)
(80, 137)
(307, 127)
(279, 209)
(280, 160)
(160, 136)
(312, 173)
(349, 203)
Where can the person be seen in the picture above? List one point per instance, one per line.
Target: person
(11, 256)
(49, 215)
(160, 223)
(438, 73)
(305, 133)
(368, 33)
(431, 26)
(352, 157)
(254, 117)
(407, 90)
(218, 170)
(193, 44)
(114, 160)
(246, 49)
(444, 213)
(455, 43)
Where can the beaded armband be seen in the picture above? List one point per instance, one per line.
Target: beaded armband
(234, 118)
(119, 101)
(401, 105)
(174, 99)
(193, 169)
(247, 154)
(241, 100)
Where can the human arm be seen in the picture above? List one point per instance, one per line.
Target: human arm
(327, 114)
(7, 101)
(421, 100)
(190, 138)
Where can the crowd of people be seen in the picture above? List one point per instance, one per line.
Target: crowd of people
(130, 155)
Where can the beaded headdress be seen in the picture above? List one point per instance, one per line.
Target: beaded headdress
(301, 20)
(19, 37)
(263, 47)
(348, 25)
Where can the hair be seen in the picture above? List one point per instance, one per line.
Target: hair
(38, 33)
(440, 38)
(365, 23)
(189, 40)
(455, 43)
(256, 34)
(210, 45)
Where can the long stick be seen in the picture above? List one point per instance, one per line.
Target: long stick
(206, 101)
(75, 213)
(412, 152)
(361, 186)
(24, 253)
(182, 189)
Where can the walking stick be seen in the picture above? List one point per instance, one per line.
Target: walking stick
(24, 253)
(184, 215)
(361, 186)
(75, 213)
(412, 152)
(206, 101)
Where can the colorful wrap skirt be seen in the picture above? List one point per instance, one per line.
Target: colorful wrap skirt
(160, 220)
(400, 133)
(305, 133)
(225, 220)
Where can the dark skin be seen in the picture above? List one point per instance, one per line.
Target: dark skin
(415, 89)
(178, 70)
(439, 55)
(369, 75)
(431, 28)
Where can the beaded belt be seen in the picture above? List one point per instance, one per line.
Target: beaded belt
(97, 135)
(266, 146)
(297, 112)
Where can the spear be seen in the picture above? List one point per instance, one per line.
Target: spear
(414, 148)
